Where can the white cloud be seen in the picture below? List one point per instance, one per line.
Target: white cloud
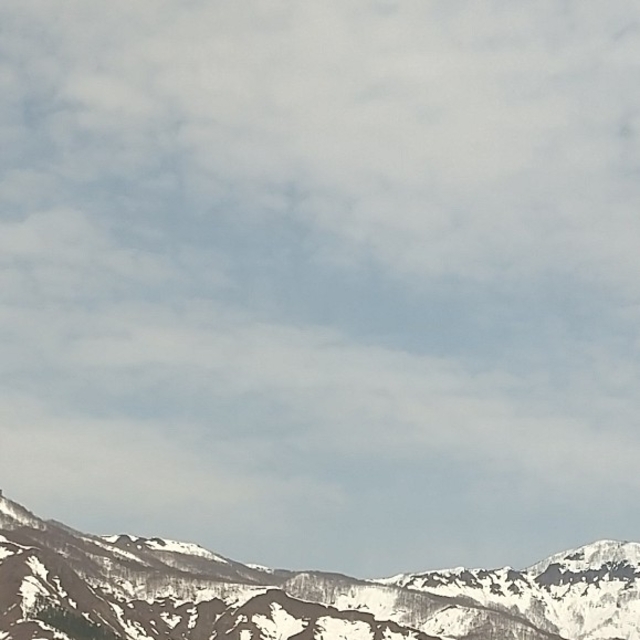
(450, 138)
(328, 394)
(485, 143)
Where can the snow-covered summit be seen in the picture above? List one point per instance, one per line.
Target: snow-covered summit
(14, 515)
(588, 593)
(602, 554)
(166, 545)
(162, 589)
(590, 557)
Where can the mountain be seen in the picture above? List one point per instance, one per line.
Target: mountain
(57, 583)
(590, 593)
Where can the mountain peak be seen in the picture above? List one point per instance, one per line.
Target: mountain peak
(126, 587)
(592, 556)
(164, 545)
(13, 515)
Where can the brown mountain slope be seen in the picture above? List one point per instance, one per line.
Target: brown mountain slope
(58, 583)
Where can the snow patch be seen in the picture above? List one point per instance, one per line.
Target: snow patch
(280, 626)
(193, 617)
(171, 619)
(133, 629)
(11, 543)
(15, 513)
(30, 589)
(387, 634)
(451, 623)
(5, 553)
(113, 539)
(259, 567)
(337, 629)
(37, 568)
(185, 548)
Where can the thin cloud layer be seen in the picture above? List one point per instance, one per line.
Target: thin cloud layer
(480, 142)
(282, 244)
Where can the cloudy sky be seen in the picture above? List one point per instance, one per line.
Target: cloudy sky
(341, 284)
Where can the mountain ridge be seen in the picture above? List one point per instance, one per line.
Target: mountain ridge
(141, 588)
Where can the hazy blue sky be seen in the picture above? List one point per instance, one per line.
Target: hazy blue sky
(341, 284)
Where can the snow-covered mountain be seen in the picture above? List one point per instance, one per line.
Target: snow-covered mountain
(58, 583)
(589, 593)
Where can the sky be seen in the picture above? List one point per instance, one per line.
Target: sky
(347, 285)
